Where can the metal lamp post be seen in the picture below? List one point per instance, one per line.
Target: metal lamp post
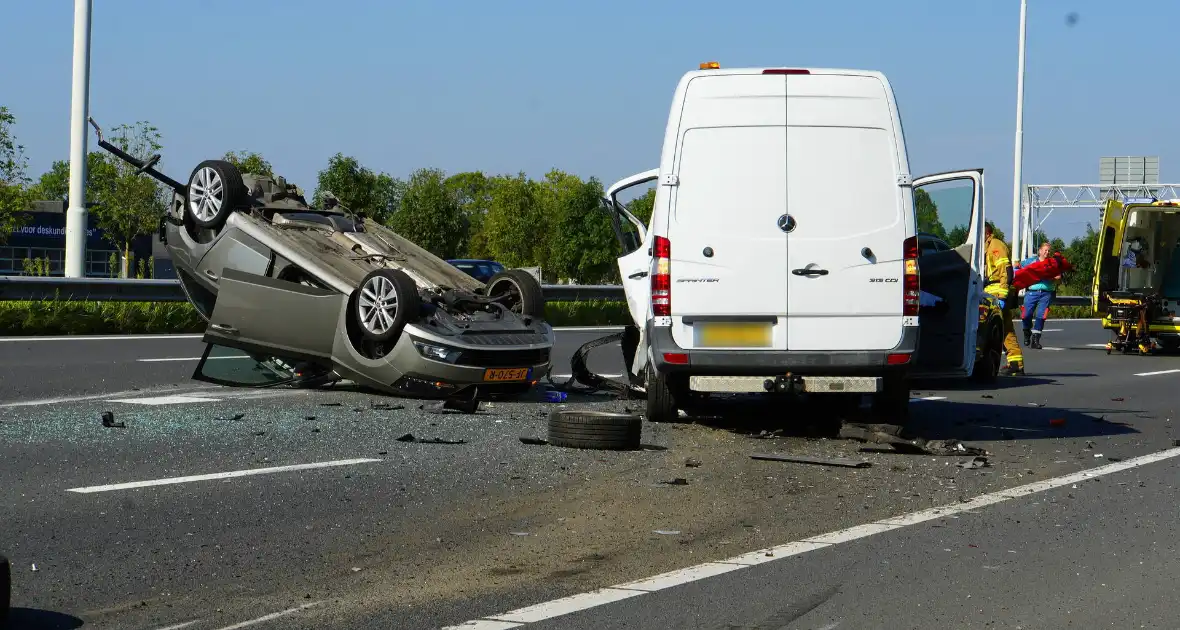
(1017, 224)
(76, 214)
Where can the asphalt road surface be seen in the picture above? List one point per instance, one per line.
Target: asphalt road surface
(218, 509)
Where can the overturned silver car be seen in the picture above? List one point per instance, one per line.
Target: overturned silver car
(314, 295)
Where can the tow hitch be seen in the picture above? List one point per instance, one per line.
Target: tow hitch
(786, 384)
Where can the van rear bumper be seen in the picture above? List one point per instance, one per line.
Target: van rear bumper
(776, 362)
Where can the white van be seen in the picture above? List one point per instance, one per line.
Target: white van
(783, 249)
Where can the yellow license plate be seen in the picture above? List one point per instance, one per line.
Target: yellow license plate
(506, 374)
(733, 334)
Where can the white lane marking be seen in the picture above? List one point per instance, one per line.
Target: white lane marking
(100, 338)
(1051, 348)
(567, 605)
(487, 624)
(221, 475)
(602, 375)
(588, 329)
(1157, 373)
(1052, 329)
(185, 359)
(180, 625)
(175, 399)
(583, 601)
(70, 399)
(913, 400)
(281, 613)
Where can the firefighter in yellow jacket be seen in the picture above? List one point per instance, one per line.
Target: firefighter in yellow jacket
(998, 279)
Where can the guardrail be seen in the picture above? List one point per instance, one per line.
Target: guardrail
(120, 290)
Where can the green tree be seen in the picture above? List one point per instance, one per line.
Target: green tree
(15, 195)
(250, 162)
(642, 206)
(473, 193)
(1081, 253)
(430, 214)
(582, 244)
(54, 184)
(514, 229)
(364, 192)
(926, 212)
(129, 204)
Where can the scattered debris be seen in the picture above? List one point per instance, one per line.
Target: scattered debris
(108, 421)
(891, 435)
(532, 441)
(806, 459)
(1114, 459)
(309, 418)
(260, 433)
(519, 533)
(768, 435)
(1116, 399)
(356, 569)
(1036, 404)
(554, 396)
(667, 532)
(987, 396)
(1089, 445)
(692, 463)
(456, 405)
(382, 406)
(34, 567)
(382, 452)
(978, 462)
(233, 418)
(1057, 422)
(409, 437)
(332, 404)
(1097, 455)
(679, 481)
(315, 430)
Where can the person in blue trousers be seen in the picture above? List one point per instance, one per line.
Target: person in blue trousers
(1037, 299)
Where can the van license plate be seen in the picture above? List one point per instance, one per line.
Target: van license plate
(505, 374)
(733, 334)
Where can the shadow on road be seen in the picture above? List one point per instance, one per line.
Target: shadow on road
(977, 422)
(932, 420)
(33, 619)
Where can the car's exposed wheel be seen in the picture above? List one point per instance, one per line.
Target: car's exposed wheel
(662, 405)
(892, 403)
(386, 300)
(987, 367)
(594, 429)
(5, 591)
(521, 290)
(215, 189)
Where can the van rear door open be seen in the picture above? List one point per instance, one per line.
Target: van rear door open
(845, 252)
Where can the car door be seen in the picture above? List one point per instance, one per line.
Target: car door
(1110, 250)
(273, 317)
(949, 206)
(635, 261)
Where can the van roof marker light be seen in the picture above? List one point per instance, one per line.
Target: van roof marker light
(710, 65)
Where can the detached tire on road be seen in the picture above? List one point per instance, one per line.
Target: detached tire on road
(595, 430)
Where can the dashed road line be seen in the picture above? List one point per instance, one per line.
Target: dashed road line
(180, 625)
(264, 618)
(174, 399)
(600, 597)
(1157, 373)
(100, 338)
(221, 475)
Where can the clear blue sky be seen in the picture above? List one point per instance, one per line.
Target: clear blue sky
(585, 86)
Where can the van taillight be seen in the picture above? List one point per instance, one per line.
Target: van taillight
(912, 293)
(785, 71)
(661, 279)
